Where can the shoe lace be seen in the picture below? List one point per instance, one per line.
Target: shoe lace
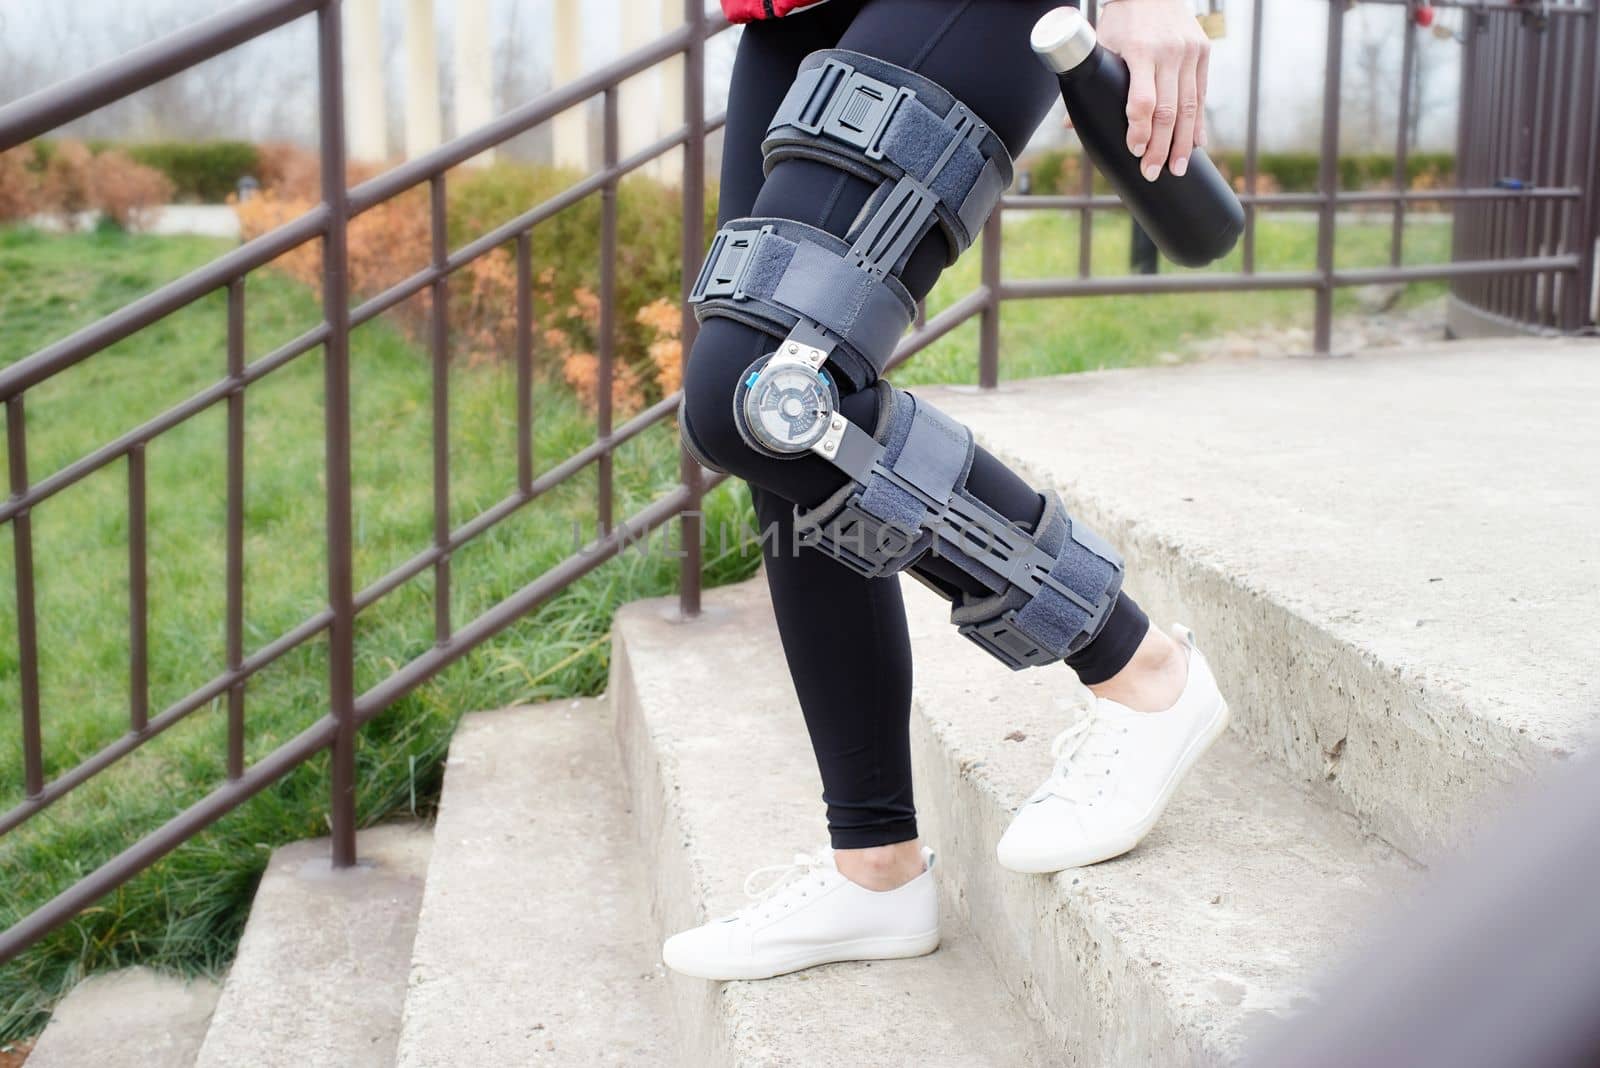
(1085, 755)
(785, 883)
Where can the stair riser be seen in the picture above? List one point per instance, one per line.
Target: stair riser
(1093, 1002)
(700, 1007)
(1416, 764)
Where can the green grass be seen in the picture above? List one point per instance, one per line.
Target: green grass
(1046, 337)
(185, 914)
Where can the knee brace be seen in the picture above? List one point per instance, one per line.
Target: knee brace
(836, 305)
(1049, 590)
(836, 309)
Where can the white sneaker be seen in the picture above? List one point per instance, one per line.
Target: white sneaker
(810, 914)
(1115, 771)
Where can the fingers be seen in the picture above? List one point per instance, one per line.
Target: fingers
(1164, 119)
(1202, 74)
(1141, 100)
(1188, 110)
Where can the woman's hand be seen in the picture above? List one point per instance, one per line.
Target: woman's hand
(1167, 55)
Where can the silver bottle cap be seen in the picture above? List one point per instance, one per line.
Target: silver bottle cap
(1062, 38)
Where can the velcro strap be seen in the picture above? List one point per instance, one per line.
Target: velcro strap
(925, 450)
(779, 271)
(870, 116)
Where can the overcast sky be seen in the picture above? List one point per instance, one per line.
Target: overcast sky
(265, 89)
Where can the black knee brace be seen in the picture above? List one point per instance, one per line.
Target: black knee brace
(836, 307)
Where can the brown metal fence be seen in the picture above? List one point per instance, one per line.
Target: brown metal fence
(1529, 114)
(1566, 256)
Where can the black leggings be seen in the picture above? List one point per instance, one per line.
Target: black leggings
(845, 636)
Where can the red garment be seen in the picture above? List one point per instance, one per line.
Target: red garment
(750, 10)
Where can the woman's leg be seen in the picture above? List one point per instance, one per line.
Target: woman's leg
(828, 615)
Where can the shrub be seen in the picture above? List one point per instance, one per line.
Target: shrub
(126, 193)
(64, 186)
(1055, 171)
(19, 185)
(206, 171)
(391, 242)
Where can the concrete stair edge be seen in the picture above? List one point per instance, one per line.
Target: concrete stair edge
(531, 942)
(130, 1018)
(320, 973)
(1411, 755)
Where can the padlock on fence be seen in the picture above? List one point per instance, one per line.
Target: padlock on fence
(1214, 21)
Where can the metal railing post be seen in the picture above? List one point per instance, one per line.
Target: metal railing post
(336, 415)
(694, 239)
(27, 621)
(1328, 179)
(989, 320)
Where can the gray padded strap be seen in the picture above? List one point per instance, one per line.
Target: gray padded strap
(774, 273)
(879, 121)
(1050, 589)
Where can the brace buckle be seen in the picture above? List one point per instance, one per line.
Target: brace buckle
(851, 107)
(722, 274)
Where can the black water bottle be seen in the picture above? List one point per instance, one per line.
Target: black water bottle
(1194, 219)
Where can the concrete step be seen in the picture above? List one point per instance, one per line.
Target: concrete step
(533, 945)
(722, 781)
(321, 970)
(133, 1018)
(1175, 953)
(1391, 557)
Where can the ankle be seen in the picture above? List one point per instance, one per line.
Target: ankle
(1153, 680)
(885, 867)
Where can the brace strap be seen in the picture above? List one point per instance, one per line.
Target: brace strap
(883, 123)
(1050, 589)
(778, 275)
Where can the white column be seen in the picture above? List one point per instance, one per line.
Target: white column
(422, 79)
(368, 109)
(639, 106)
(670, 114)
(571, 127)
(474, 99)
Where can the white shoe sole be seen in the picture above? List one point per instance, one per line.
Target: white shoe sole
(887, 948)
(1126, 842)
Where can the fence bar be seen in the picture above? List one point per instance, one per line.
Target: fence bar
(27, 632)
(1348, 198)
(694, 210)
(39, 113)
(605, 371)
(439, 354)
(1328, 179)
(524, 361)
(989, 323)
(1584, 220)
(1252, 140)
(1402, 180)
(235, 546)
(336, 390)
(138, 595)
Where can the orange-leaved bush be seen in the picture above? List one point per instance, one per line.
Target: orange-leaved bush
(127, 193)
(64, 184)
(665, 318)
(19, 185)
